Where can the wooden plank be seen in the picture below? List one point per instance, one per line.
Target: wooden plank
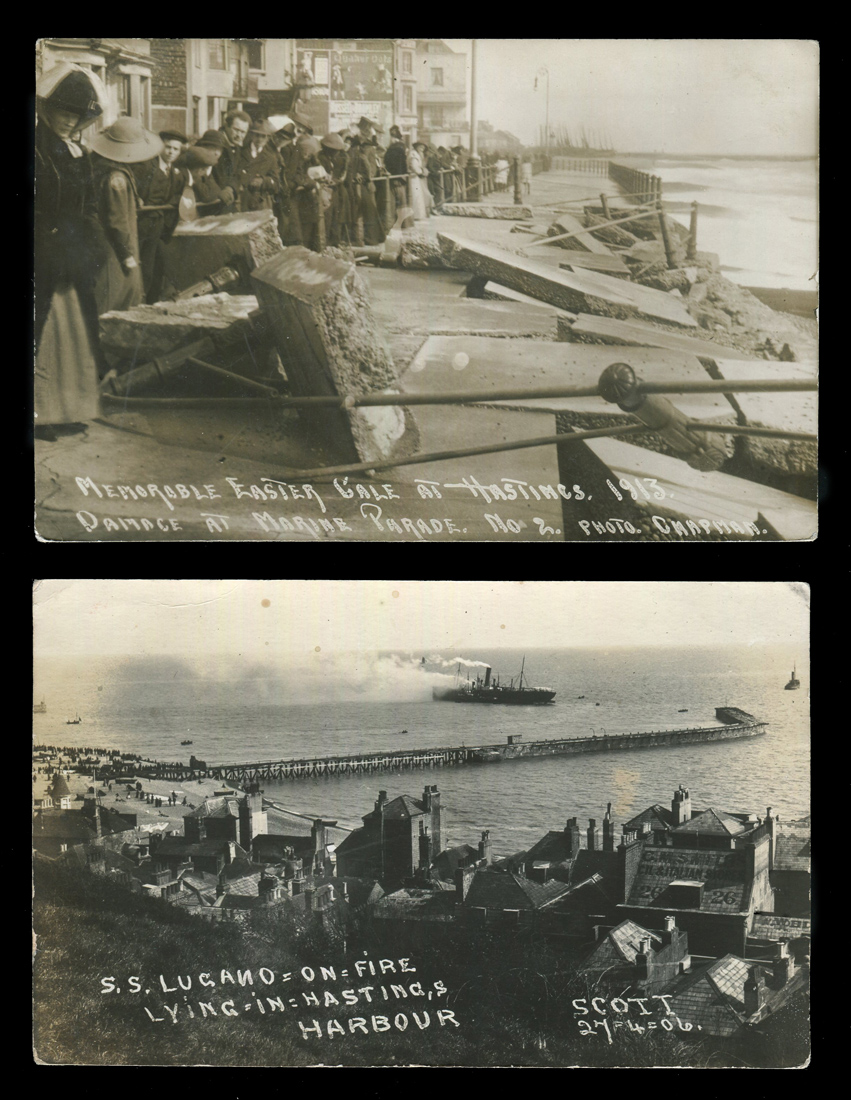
(585, 242)
(611, 331)
(710, 496)
(587, 291)
(329, 343)
(453, 364)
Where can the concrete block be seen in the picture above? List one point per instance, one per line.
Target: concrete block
(148, 331)
(199, 248)
(485, 210)
(330, 343)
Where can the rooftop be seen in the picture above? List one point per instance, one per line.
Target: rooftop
(712, 821)
(500, 890)
(723, 874)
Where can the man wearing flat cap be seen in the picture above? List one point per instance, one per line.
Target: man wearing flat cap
(160, 183)
(200, 159)
(260, 167)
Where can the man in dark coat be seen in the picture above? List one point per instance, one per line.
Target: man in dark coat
(227, 173)
(160, 183)
(396, 163)
(260, 167)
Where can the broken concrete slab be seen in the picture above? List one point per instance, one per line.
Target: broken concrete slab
(707, 503)
(495, 292)
(797, 412)
(611, 234)
(202, 247)
(609, 265)
(421, 251)
(590, 328)
(584, 242)
(586, 291)
(145, 332)
(330, 343)
(485, 210)
(468, 316)
(454, 364)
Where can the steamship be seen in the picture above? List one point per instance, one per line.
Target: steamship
(489, 690)
(794, 683)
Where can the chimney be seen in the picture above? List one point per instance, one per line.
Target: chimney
(592, 834)
(608, 831)
(231, 852)
(643, 957)
(98, 830)
(463, 880)
(317, 832)
(309, 898)
(754, 992)
(431, 798)
(573, 831)
(669, 930)
(681, 806)
(487, 676)
(770, 821)
(382, 798)
(485, 847)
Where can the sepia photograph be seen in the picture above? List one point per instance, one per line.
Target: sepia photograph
(421, 824)
(426, 290)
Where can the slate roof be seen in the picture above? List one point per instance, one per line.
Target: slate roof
(59, 788)
(447, 861)
(498, 890)
(620, 946)
(658, 816)
(553, 847)
(415, 904)
(711, 821)
(603, 864)
(179, 846)
(217, 807)
(62, 825)
(723, 873)
(714, 999)
(401, 807)
(791, 852)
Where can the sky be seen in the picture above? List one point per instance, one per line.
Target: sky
(757, 97)
(262, 620)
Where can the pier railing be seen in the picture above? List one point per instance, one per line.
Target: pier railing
(363, 763)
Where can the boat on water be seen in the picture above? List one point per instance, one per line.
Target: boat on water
(73, 721)
(186, 742)
(794, 683)
(490, 690)
(40, 708)
(683, 710)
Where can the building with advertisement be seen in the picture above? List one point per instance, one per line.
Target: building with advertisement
(343, 80)
(442, 93)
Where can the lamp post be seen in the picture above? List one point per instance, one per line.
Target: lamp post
(473, 161)
(544, 71)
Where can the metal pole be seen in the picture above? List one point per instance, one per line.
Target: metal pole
(663, 226)
(518, 183)
(473, 161)
(691, 251)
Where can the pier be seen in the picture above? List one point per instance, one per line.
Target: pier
(516, 749)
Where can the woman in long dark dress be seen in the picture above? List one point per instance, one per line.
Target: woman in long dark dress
(70, 248)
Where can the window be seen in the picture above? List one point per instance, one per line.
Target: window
(408, 99)
(406, 62)
(63, 847)
(145, 90)
(437, 118)
(437, 78)
(124, 95)
(217, 53)
(256, 52)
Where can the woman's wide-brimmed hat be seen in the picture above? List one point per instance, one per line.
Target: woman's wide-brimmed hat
(309, 145)
(197, 155)
(174, 135)
(421, 145)
(333, 141)
(74, 89)
(213, 139)
(263, 127)
(127, 141)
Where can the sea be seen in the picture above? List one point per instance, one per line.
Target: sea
(320, 703)
(759, 215)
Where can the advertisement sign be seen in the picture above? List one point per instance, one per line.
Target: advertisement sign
(346, 84)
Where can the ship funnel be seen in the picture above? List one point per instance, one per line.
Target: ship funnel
(487, 676)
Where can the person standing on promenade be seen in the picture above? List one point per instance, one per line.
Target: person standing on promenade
(227, 172)
(260, 167)
(125, 143)
(160, 183)
(70, 247)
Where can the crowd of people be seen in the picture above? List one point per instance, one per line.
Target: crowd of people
(104, 214)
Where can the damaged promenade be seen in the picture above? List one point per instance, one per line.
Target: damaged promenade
(198, 440)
